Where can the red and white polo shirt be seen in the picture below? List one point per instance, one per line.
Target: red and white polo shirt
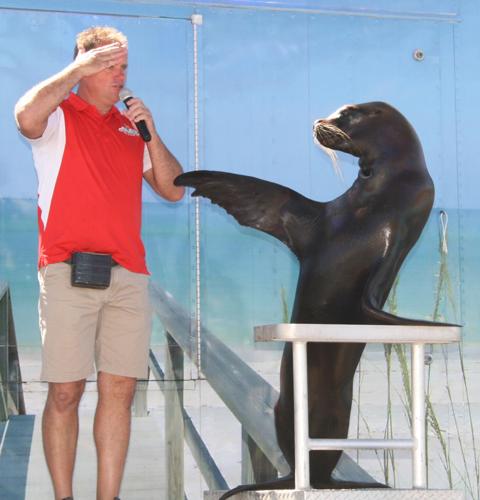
(90, 169)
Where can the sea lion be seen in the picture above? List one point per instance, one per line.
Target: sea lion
(350, 250)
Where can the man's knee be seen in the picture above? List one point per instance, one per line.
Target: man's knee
(116, 389)
(65, 397)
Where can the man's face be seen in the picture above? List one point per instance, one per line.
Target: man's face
(106, 84)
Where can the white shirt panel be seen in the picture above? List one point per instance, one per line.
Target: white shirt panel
(147, 161)
(47, 156)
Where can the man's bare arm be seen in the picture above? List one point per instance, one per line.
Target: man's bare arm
(165, 168)
(36, 105)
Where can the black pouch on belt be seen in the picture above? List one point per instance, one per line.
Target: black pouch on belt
(91, 270)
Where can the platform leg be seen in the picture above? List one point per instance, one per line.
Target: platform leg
(300, 389)
(174, 424)
(418, 415)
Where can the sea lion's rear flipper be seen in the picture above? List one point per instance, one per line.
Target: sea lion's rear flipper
(263, 205)
(288, 483)
(283, 483)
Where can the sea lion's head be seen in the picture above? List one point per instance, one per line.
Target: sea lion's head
(367, 131)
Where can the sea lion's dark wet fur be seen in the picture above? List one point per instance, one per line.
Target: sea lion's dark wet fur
(350, 250)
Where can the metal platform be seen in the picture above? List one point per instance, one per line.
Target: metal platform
(373, 494)
(383, 334)
(301, 334)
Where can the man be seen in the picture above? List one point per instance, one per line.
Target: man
(90, 161)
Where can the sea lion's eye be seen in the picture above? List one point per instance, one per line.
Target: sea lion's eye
(365, 174)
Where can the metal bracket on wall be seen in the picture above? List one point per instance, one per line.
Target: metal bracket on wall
(197, 19)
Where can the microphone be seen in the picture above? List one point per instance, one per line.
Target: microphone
(125, 95)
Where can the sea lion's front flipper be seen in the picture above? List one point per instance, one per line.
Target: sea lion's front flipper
(263, 205)
(376, 291)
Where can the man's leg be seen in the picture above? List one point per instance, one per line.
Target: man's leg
(60, 433)
(112, 431)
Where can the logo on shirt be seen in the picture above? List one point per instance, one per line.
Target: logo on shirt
(128, 131)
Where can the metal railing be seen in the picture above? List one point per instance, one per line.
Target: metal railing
(248, 396)
(11, 390)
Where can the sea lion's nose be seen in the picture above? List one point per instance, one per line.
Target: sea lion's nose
(316, 123)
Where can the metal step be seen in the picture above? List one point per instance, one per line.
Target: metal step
(14, 456)
(373, 494)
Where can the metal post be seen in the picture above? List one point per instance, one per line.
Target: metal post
(140, 406)
(418, 416)
(197, 21)
(4, 356)
(174, 425)
(256, 468)
(300, 384)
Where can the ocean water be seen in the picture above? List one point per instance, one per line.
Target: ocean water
(247, 277)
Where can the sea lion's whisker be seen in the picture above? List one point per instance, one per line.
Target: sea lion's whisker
(334, 159)
(333, 132)
(327, 133)
(332, 154)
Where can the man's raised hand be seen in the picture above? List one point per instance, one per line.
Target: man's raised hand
(100, 58)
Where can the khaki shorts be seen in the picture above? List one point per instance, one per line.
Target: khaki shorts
(83, 326)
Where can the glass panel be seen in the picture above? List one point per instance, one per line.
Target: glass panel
(265, 76)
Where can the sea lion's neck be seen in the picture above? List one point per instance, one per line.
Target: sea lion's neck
(366, 162)
(396, 157)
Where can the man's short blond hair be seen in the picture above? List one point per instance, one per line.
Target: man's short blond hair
(96, 36)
